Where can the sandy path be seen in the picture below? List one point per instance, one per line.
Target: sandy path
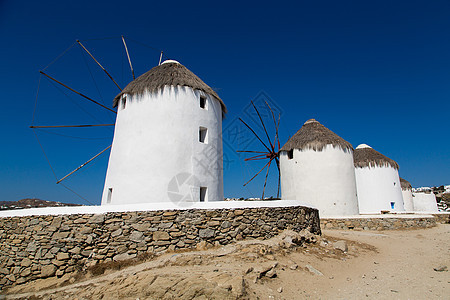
(378, 265)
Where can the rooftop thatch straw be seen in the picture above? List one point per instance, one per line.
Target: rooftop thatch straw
(364, 156)
(315, 136)
(405, 184)
(169, 73)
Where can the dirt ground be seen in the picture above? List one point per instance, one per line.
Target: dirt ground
(377, 265)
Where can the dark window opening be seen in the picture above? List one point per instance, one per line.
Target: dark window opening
(124, 102)
(290, 154)
(108, 198)
(202, 194)
(202, 135)
(203, 102)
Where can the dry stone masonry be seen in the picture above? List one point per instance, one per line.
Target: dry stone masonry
(36, 247)
(378, 223)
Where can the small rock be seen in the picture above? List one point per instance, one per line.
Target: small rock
(202, 246)
(116, 232)
(441, 269)
(48, 270)
(206, 233)
(280, 290)
(137, 236)
(271, 273)
(89, 239)
(249, 270)
(123, 256)
(75, 250)
(62, 256)
(340, 245)
(26, 262)
(313, 270)
(161, 236)
(97, 219)
(293, 267)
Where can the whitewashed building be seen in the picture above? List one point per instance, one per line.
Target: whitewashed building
(167, 143)
(425, 202)
(316, 167)
(407, 195)
(377, 182)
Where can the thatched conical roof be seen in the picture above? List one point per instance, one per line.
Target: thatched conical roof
(405, 184)
(314, 135)
(170, 73)
(364, 156)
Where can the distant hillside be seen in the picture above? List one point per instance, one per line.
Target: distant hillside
(29, 203)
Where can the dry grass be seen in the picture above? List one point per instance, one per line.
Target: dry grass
(314, 135)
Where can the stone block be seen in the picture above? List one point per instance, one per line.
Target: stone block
(161, 236)
(48, 270)
(26, 262)
(206, 233)
(62, 256)
(137, 236)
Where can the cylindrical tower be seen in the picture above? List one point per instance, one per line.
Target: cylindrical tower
(425, 202)
(377, 182)
(407, 195)
(167, 141)
(316, 166)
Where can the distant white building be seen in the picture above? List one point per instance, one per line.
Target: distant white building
(316, 167)
(407, 195)
(167, 143)
(377, 182)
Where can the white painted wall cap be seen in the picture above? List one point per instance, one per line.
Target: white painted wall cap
(170, 61)
(362, 146)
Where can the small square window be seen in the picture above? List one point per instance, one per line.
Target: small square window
(290, 154)
(203, 102)
(108, 198)
(203, 135)
(203, 194)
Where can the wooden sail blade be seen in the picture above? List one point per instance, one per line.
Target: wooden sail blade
(253, 158)
(265, 181)
(264, 126)
(277, 140)
(279, 180)
(78, 93)
(128, 55)
(84, 164)
(256, 174)
(104, 70)
(247, 151)
(278, 125)
(71, 126)
(255, 134)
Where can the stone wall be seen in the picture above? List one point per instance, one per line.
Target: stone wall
(33, 247)
(378, 223)
(443, 217)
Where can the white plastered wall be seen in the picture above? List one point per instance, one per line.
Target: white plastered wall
(377, 188)
(325, 179)
(408, 200)
(424, 202)
(156, 146)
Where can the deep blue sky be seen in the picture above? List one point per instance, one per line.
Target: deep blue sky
(373, 72)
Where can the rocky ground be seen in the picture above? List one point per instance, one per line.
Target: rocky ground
(410, 264)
